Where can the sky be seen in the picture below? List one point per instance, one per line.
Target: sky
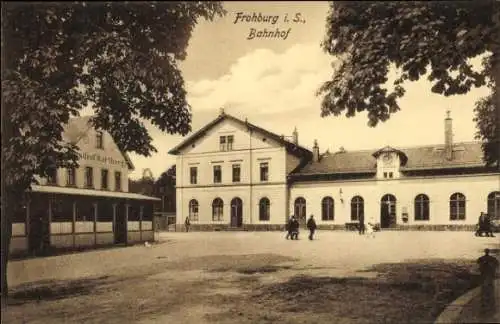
(273, 83)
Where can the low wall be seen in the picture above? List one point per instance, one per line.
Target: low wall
(18, 244)
(331, 227)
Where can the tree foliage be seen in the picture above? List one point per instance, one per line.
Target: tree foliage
(433, 39)
(121, 57)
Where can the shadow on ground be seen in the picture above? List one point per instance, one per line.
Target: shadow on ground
(401, 293)
(414, 291)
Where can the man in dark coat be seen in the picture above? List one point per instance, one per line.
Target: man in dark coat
(311, 225)
(294, 228)
(187, 223)
(488, 266)
(288, 227)
(361, 226)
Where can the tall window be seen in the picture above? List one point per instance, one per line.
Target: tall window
(264, 171)
(118, 181)
(193, 175)
(264, 209)
(89, 177)
(421, 207)
(52, 176)
(217, 209)
(104, 179)
(327, 209)
(193, 210)
(236, 173)
(300, 209)
(457, 206)
(99, 140)
(222, 143)
(230, 139)
(494, 205)
(71, 177)
(217, 174)
(357, 208)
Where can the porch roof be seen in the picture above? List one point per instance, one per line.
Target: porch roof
(90, 192)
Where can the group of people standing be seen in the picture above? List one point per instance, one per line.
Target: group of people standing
(292, 228)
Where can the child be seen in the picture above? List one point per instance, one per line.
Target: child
(370, 230)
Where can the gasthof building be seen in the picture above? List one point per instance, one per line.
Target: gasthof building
(233, 174)
(88, 206)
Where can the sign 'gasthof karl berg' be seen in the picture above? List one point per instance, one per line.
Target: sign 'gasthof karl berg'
(103, 159)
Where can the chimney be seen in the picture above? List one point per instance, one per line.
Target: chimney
(448, 136)
(295, 136)
(221, 111)
(315, 151)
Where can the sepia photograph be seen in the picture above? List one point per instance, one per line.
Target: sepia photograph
(250, 162)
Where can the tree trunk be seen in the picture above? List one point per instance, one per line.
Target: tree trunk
(6, 236)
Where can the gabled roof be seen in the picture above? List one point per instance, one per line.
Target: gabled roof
(76, 129)
(290, 147)
(432, 157)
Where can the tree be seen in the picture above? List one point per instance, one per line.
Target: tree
(436, 39)
(165, 189)
(58, 57)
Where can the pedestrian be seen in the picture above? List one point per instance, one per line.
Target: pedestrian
(311, 225)
(288, 227)
(481, 224)
(294, 228)
(187, 223)
(489, 226)
(361, 225)
(488, 266)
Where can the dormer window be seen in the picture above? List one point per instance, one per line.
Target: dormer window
(99, 140)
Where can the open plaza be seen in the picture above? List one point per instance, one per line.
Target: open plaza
(252, 277)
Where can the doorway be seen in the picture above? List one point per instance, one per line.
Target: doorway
(388, 211)
(120, 223)
(236, 212)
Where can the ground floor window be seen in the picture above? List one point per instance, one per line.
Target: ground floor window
(147, 212)
(134, 212)
(494, 205)
(421, 207)
(357, 208)
(327, 209)
(217, 209)
(193, 210)
(457, 206)
(264, 209)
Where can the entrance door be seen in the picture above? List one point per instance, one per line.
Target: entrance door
(236, 212)
(120, 223)
(300, 210)
(388, 211)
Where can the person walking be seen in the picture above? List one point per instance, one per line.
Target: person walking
(311, 225)
(489, 226)
(294, 228)
(187, 223)
(361, 226)
(488, 266)
(288, 227)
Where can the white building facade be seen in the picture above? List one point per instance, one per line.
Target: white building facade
(87, 206)
(232, 174)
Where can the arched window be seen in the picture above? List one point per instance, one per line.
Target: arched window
(421, 207)
(264, 209)
(327, 208)
(357, 208)
(193, 210)
(457, 206)
(494, 205)
(217, 209)
(300, 209)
